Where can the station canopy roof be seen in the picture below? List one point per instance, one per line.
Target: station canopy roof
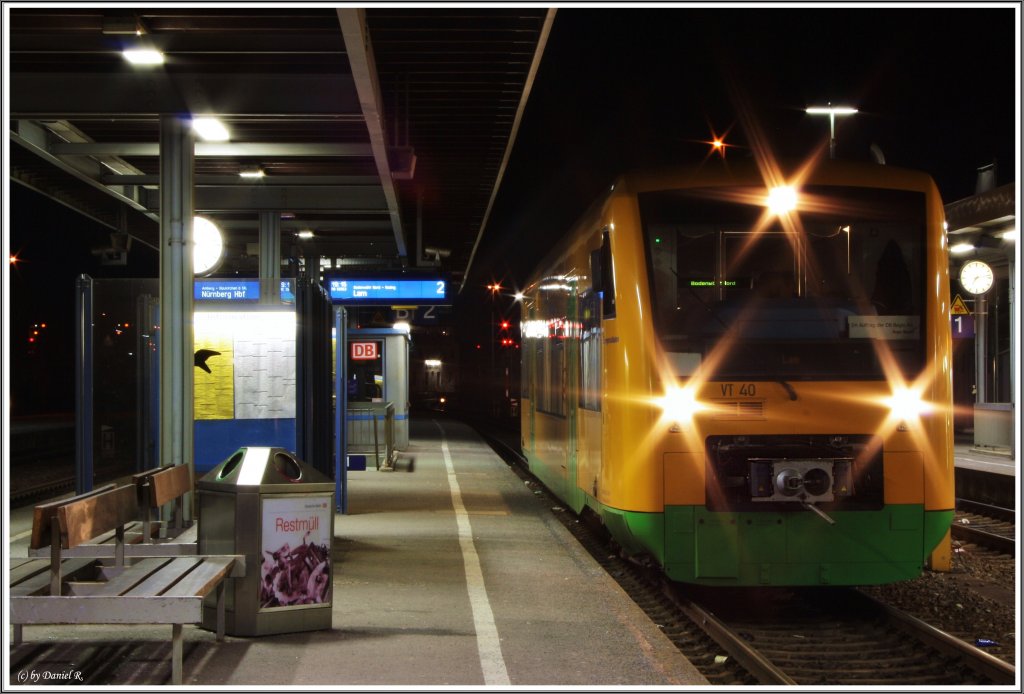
(379, 130)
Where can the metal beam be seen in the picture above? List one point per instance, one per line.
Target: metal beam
(235, 180)
(351, 199)
(218, 149)
(73, 171)
(527, 88)
(152, 92)
(364, 74)
(334, 225)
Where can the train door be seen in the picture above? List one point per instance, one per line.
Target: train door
(572, 387)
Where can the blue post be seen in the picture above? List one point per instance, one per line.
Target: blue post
(340, 411)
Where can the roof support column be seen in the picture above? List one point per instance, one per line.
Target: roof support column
(270, 245)
(270, 254)
(177, 160)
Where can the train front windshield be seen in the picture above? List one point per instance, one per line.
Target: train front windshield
(820, 297)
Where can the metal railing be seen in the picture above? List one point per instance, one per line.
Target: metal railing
(371, 430)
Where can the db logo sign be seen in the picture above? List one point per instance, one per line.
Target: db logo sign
(364, 350)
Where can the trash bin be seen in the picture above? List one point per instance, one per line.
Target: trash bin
(277, 511)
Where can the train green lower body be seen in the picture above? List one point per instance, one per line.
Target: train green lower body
(797, 548)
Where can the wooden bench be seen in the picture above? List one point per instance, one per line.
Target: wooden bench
(79, 590)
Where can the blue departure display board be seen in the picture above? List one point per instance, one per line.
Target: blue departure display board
(227, 290)
(358, 289)
(287, 295)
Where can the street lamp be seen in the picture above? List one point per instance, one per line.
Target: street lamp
(831, 111)
(492, 380)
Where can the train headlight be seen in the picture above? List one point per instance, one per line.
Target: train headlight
(679, 405)
(906, 404)
(781, 199)
(817, 482)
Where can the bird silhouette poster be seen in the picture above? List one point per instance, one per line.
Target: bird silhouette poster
(244, 365)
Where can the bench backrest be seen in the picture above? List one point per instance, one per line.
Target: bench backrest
(83, 520)
(167, 484)
(43, 515)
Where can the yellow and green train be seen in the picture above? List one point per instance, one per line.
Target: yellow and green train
(745, 373)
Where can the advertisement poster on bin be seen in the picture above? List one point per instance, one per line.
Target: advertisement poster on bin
(296, 556)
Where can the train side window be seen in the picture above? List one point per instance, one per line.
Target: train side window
(590, 353)
(601, 271)
(551, 375)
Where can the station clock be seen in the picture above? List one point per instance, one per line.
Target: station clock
(976, 276)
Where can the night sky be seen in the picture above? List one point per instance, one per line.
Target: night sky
(620, 88)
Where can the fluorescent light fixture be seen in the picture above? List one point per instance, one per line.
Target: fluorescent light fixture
(432, 362)
(210, 129)
(831, 110)
(252, 173)
(305, 234)
(143, 56)
(207, 245)
(961, 248)
(1009, 235)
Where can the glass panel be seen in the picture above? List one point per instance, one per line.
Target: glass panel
(810, 302)
(590, 353)
(126, 362)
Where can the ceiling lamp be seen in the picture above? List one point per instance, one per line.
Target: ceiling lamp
(143, 56)
(210, 129)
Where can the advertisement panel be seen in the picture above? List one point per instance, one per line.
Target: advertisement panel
(296, 557)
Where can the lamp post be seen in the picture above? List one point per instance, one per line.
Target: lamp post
(831, 111)
(495, 288)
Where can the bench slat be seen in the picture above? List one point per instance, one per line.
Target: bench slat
(26, 569)
(83, 520)
(67, 609)
(203, 579)
(168, 484)
(165, 577)
(42, 514)
(39, 581)
(131, 576)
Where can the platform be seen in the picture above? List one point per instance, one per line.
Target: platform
(449, 571)
(986, 475)
(996, 461)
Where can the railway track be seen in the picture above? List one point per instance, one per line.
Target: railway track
(809, 637)
(986, 526)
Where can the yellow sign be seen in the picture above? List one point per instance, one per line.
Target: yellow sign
(959, 308)
(214, 375)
